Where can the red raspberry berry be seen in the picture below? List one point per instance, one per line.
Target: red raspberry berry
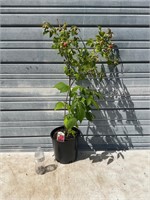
(111, 46)
(65, 44)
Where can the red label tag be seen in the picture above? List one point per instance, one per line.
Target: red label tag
(60, 136)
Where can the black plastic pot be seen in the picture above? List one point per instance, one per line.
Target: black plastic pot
(65, 152)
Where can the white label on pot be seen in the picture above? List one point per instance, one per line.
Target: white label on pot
(60, 136)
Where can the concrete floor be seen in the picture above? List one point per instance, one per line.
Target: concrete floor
(101, 176)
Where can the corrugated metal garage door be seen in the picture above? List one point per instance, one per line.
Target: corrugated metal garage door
(30, 68)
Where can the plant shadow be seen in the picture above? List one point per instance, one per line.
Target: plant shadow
(116, 122)
(106, 155)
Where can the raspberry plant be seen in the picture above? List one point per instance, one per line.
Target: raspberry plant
(80, 59)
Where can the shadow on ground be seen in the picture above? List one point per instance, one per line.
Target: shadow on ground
(109, 156)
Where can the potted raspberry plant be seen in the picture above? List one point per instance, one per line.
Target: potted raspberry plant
(80, 59)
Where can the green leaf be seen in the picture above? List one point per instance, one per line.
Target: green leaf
(90, 116)
(74, 89)
(95, 104)
(59, 105)
(77, 76)
(54, 46)
(89, 101)
(70, 122)
(45, 31)
(80, 112)
(50, 33)
(62, 87)
(100, 28)
(90, 42)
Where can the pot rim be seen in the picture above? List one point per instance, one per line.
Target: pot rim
(60, 127)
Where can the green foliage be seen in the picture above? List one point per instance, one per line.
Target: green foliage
(80, 61)
(62, 87)
(59, 105)
(70, 121)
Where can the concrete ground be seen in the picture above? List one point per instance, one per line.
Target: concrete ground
(101, 176)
